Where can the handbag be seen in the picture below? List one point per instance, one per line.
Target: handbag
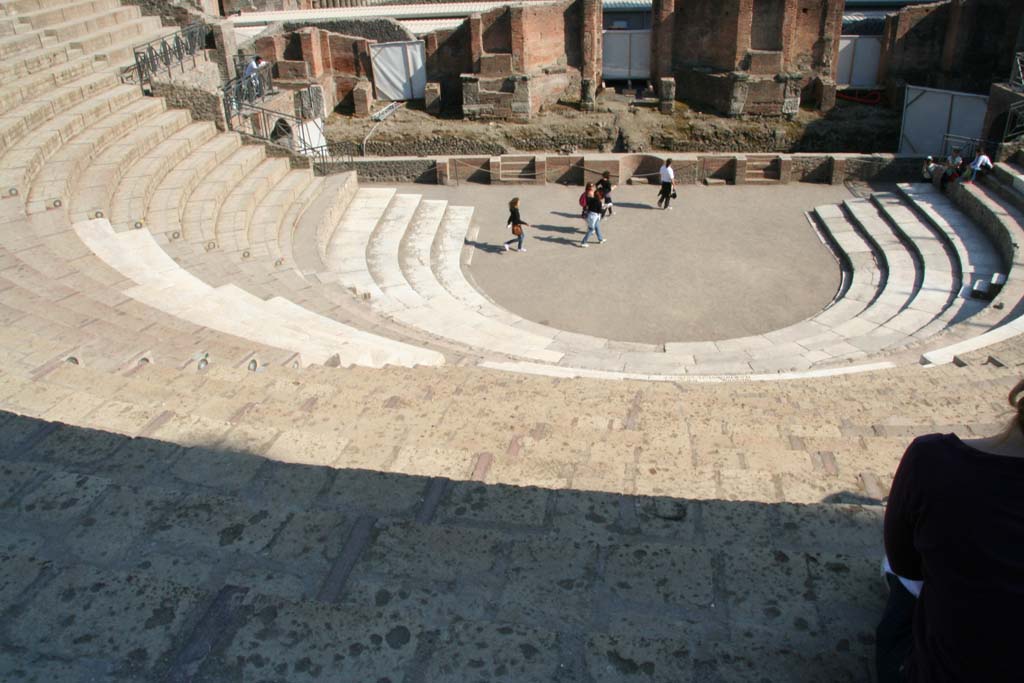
(674, 195)
(517, 230)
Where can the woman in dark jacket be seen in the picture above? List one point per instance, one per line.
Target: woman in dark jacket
(954, 545)
(516, 225)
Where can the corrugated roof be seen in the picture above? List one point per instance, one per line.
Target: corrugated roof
(628, 5)
(419, 27)
(419, 11)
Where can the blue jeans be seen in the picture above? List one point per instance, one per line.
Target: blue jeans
(593, 226)
(518, 239)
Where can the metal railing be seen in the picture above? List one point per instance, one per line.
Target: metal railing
(170, 52)
(968, 146)
(1017, 72)
(1014, 122)
(243, 90)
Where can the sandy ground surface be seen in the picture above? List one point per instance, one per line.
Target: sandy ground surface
(725, 262)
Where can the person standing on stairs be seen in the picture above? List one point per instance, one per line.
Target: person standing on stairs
(516, 225)
(668, 181)
(954, 545)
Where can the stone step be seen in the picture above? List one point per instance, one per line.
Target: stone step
(270, 214)
(93, 196)
(130, 202)
(66, 12)
(15, 124)
(165, 208)
(305, 245)
(28, 158)
(120, 126)
(232, 224)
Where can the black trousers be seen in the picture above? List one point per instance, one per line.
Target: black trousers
(666, 194)
(894, 637)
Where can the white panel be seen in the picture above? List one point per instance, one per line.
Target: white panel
(865, 65)
(616, 55)
(417, 55)
(925, 116)
(640, 54)
(398, 70)
(844, 70)
(929, 115)
(968, 117)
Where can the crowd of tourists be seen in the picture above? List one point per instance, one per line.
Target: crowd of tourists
(596, 203)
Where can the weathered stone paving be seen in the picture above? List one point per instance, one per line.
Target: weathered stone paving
(620, 531)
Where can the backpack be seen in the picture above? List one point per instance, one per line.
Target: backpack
(583, 199)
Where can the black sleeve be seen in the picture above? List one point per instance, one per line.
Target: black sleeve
(901, 514)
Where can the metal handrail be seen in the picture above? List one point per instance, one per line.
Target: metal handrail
(169, 52)
(248, 89)
(967, 145)
(1014, 122)
(1017, 72)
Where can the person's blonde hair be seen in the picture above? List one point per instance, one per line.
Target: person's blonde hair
(514, 203)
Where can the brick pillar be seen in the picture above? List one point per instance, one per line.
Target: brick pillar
(362, 98)
(739, 170)
(441, 172)
(227, 48)
(785, 168)
(312, 53)
(476, 41)
(432, 98)
(666, 94)
(520, 45)
(663, 24)
(591, 71)
(838, 171)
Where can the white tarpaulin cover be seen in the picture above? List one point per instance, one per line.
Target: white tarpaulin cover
(929, 115)
(858, 61)
(626, 54)
(399, 72)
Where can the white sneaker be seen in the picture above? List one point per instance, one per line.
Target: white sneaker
(521, 249)
(506, 247)
(583, 245)
(602, 241)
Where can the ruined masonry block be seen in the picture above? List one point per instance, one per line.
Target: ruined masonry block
(362, 97)
(666, 95)
(496, 65)
(838, 171)
(432, 98)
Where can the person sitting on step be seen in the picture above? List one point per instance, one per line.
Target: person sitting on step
(954, 544)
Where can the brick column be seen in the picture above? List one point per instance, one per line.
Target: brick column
(663, 25)
(312, 52)
(227, 48)
(476, 41)
(591, 70)
(520, 45)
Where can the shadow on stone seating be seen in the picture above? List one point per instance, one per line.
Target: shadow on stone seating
(209, 564)
(634, 205)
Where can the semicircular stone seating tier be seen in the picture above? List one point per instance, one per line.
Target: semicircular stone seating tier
(182, 243)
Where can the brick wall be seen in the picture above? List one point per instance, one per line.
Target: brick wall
(497, 30)
(706, 34)
(545, 38)
(912, 42)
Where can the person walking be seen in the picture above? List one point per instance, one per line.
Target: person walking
(668, 180)
(516, 225)
(605, 187)
(594, 209)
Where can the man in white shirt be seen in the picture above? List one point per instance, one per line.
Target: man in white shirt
(978, 167)
(668, 179)
(252, 75)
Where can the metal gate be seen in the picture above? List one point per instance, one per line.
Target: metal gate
(627, 55)
(930, 115)
(399, 72)
(859, 57)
